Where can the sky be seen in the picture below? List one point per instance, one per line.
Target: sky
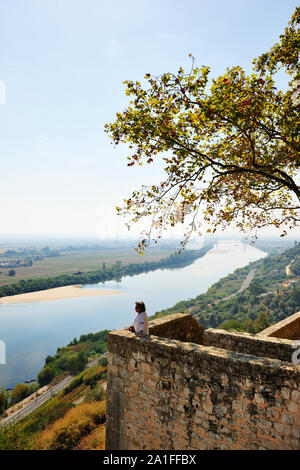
(62, 64)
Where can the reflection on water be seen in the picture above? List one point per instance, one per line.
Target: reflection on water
(31, 331)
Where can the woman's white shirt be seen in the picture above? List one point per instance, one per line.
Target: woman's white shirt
(141, 323)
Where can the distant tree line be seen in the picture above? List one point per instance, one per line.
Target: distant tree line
(107, 273)
(100, 335)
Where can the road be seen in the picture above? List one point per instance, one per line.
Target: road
(32, 406)
(245, 285)
(94, 362)
(27, 409)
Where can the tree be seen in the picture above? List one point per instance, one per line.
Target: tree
(256, 289)
(230, 152)
(77, 363)
(248, 326)
(74, 342)
(3, 400)
(19, 392)
(11, 272)
(73, 365)
(262, 321)
(45, 376)
(82, 361)
(49, 359)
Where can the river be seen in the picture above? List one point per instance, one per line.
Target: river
(31, 331)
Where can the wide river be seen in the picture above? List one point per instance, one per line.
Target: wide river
(31, 331)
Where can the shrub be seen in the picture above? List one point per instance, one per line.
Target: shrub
(3, 400)
(77, 423)
(13, 437)
(103, 362)
(75, 383)
(45, 376)
(49, 359)
(88, 377)
(93, 374)
(19, 393)
(95, 394)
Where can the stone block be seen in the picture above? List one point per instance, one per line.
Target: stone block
(295, 396)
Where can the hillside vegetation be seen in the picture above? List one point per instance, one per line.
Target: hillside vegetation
(74, 357)
(273, 294)
(68, 360)
(73, 419)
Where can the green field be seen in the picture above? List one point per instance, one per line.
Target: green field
(80, 261)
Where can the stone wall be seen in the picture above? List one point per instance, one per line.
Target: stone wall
(178, 326)
(163, 393)
(288, 328)
(247, 343)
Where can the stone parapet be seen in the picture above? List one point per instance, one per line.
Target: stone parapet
(177, 326)
(163, 393)
(247, 343)
(289, 328)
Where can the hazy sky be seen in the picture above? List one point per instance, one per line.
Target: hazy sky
(62, 65)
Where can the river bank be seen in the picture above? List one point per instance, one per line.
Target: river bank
(57, 293)
(34, 330)
(112, 272)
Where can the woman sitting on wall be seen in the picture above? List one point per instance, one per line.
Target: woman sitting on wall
(140, 324)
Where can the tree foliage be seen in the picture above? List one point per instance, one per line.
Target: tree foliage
(230, 147)
(3, 400)
(19, 392)
(45, 376)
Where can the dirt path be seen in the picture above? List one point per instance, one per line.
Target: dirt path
(288, 270)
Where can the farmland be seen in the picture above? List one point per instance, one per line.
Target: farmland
(86, 260)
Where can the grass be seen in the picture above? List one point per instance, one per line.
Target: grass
(80, 261)
(93, 441)
(78, 423)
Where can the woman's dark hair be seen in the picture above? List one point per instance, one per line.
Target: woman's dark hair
(141, 306)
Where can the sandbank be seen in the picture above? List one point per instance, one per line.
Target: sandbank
(58, 293)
